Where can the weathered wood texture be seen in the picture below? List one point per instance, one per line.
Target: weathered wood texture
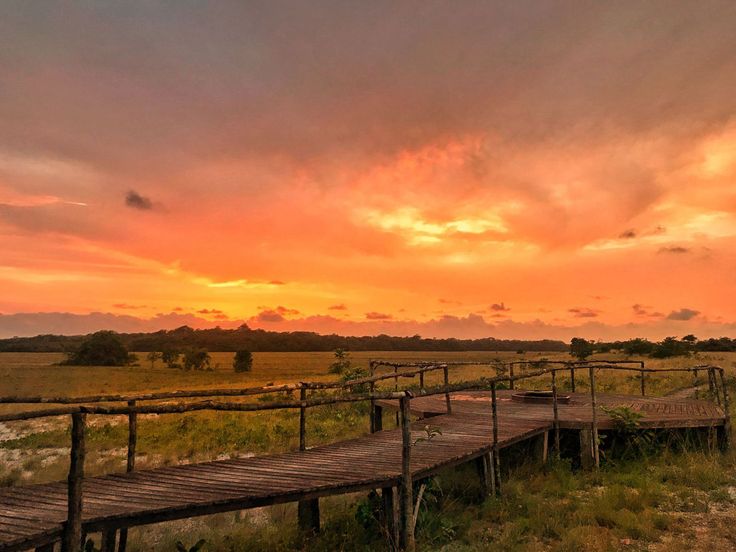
(31, 516)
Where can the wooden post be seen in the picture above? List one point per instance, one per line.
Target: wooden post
(130, 466)
(555, 415)
(396, 388)
(494, 446)
(108, 540)
(572, 378)
(308, 515)
(511, 375)
(483, 467)
(586, 449)
(308, 510)
(446, 371)
(303, 419)
(421, 381)
(406, 540)
(372, 387)
(717, 387)
(711, 383)
(643, 391)
(378, 418)
(72, 537)
(541, 447)
(726, 442)
(594, 425)
(390, 514)
(132, 437)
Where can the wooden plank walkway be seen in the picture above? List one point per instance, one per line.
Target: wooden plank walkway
(33, 515)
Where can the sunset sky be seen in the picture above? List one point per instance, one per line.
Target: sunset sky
(468, 169)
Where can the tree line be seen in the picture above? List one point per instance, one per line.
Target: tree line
(668, 347)
(247, 339)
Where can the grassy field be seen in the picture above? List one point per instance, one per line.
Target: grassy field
(666, 501)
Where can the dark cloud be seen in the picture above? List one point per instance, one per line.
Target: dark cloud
(627, 235)
(135, 200)
(127, 306)
(675, 249)
(499, 307)
(269, 315)
(378, 316)
(395, 75)
(340, 307)
(272, 315)
(209, 311)
(683, 314)
(644, 310)
(583, 312)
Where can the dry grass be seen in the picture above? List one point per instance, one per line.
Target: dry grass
(663, 504)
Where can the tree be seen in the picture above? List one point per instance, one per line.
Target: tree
(152, 357)
(196, 359)
(342, 362)
(637, 346)
(669, 347)
(171, 357)
(103, 348)
(581, 348)
(243, 361)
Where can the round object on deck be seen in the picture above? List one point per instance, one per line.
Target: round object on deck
(543, 397)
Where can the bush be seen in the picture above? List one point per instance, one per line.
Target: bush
(196, 359)
(342, 362)
(102, 348)
(243, 361)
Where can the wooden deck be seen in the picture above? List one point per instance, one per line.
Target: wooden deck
(31, 516)
(657, 412)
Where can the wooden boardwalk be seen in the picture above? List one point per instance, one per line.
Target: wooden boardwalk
(33, 516)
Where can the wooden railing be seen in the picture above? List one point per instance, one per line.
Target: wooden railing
(79, 407)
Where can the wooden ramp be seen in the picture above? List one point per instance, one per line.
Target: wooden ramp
(33, 515)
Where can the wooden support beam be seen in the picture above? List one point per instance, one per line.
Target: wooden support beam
(308, 513)
(421, 381)
(72, 536)
(390, 514)
(541, 448)
(642, 377)
(483, 468)
(406, 535)
(587, 460)
(108, 540)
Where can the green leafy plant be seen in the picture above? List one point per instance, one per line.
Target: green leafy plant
(431, 432)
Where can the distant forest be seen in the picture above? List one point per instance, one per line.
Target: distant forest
(245, 338)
